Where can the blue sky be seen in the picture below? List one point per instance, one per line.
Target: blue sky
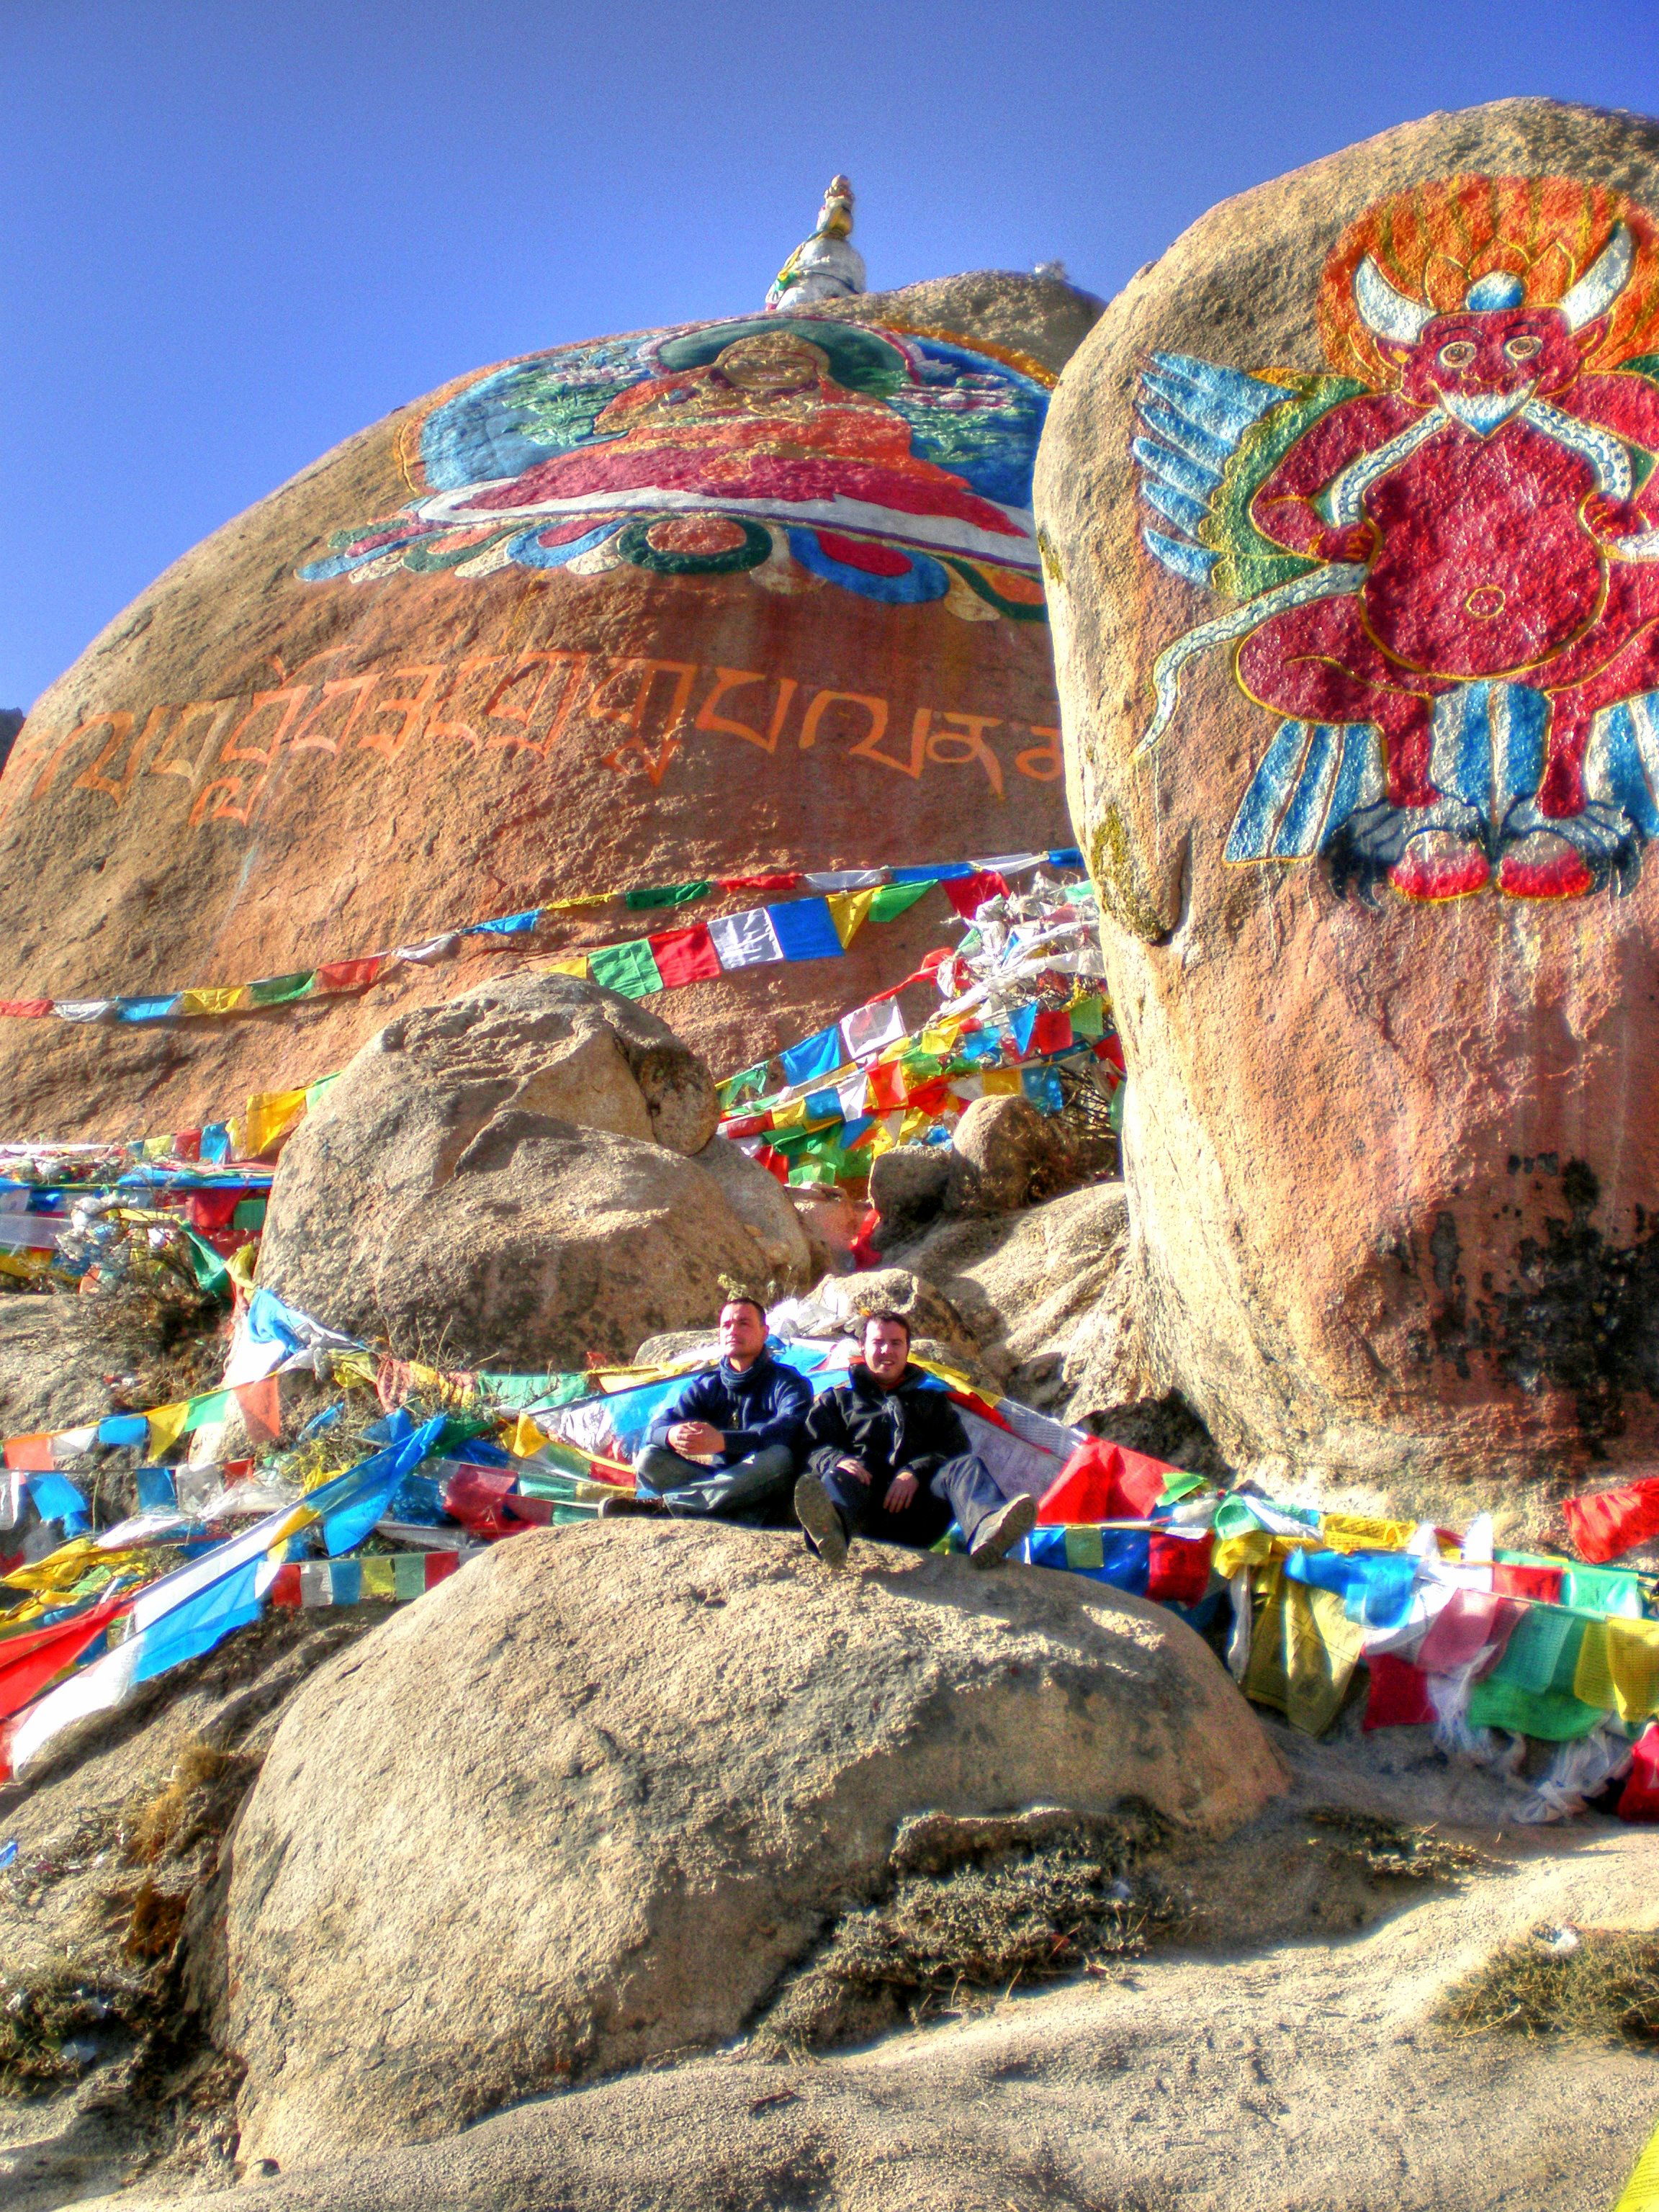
(236, 231)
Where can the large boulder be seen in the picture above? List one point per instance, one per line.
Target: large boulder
(762, 1203)
(1381, 959)
(586, 1804)
(681, 605)
(506, 1180)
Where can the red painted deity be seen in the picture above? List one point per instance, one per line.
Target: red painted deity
(1448, 564)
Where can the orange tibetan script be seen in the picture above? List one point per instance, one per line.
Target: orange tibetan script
(642, 712)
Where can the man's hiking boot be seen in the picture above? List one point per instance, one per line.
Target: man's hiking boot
(815, 1510)
(999, 1532)
(629, 1501)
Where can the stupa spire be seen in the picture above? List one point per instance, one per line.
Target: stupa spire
(827, 265)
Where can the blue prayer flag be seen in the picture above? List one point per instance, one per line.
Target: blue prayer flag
(806, 931)
(950, 872)
(507, 925)
(815, 1055)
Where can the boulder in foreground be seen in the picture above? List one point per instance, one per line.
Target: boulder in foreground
(585, 1805)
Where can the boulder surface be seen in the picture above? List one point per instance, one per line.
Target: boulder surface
(513, 1179)
(1379, 921)
(586, 1803)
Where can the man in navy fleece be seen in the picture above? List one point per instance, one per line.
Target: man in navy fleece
(744, 1414)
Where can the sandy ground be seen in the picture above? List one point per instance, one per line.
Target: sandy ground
(1278, 2066)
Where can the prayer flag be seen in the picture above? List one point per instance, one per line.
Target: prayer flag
(897, 898)
(1043, 1087)
(849, 911)
(629, 968)
(147, 1010)
(1022, 1022)
(435, 948)
(948, 871)
(1610, 1522)
(211, 1405)
(967, 893)
(1399, 1693)
(212, 999)
(507, 925)
(1089, 1018)
(866, 1030)
(31, 1452)
(84, 1009)
(29, 1661)
(666, 895)
(1066, 856)
(812, 1056)
(350, 975)
(684, 956)
(123, 1431)
(270, 1114)
(788, 880)
(216, 1143)
(745, 940)
(845, 879)
(262, 1408)
(25, 1008)
(1052, 1031)
(805, 931)
(569, 964)
(166, 1425)
(278, 990)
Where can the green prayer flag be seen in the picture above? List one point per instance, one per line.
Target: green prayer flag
(1089, 1018)
(1553, 1716)
(216, 1407)
(750, 1081)
(317, 1090)
(895, 899)
(277, 990)
(207, 1267)
(666, 895)
(630, 969)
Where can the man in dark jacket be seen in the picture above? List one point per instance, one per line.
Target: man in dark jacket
(887, 1454)
(744, 1414)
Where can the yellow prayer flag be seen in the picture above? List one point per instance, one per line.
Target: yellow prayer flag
(791, 1116)
(849, 910)
(939, 1037)
(1001, 1082)
(569, 964)
(166, 1425)
(379, 1579)
(212, 999)
(525, 1438)
(355, 1369)
(240, 1265)
(1360, 1532)
(270, 1114)
(1641, 2190)
(570, 905)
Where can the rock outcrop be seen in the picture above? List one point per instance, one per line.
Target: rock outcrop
(511, 1840)
(1380, 914)
(521, 1178)
(680, 605)
(1046, 1297)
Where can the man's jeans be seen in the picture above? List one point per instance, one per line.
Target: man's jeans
(965, 1484)
(726, 1494)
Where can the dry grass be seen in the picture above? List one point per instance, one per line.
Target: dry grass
(1058, 1908)
(198, 1804)
(1390, 1852)
(1607, 1987)
(156, 1331)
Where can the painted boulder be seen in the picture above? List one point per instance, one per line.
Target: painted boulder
(731, 601)
(1351, 527)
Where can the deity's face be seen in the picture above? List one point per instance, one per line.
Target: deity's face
(1487, 360)
(773, 365)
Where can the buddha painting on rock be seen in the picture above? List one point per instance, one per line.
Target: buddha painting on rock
(894, 465)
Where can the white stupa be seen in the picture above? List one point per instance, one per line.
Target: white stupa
(828, 265)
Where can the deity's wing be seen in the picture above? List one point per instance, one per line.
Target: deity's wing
(1211, 438)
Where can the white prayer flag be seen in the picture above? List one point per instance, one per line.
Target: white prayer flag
(745, 940)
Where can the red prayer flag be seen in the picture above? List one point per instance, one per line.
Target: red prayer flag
(967, 893)
(439, 1564)
(1399, 1694)
(28, 1663)
(786, 882)
(684, 956)
(25, 1006)
(1543, 1584)
(1052, 1031)
(211, 1209)
(349, 974)
(1640, 1798)
(1102, 1481)
(1178, 1567)
(285, 1590)
(1610, 1522)
(186, 1144)
(262, 1409)
(32, 1454)
(885, 1091)
(775, 1163)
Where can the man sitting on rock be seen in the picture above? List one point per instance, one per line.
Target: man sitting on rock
(887, 1455)
(744, 1414)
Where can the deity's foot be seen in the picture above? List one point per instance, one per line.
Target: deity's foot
(1438, 863)
(1544, 858)
(1431, 852)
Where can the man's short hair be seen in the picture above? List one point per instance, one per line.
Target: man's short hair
(897, 1319)
(739, 1300)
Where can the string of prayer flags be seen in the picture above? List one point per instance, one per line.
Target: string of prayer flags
(795, 929)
